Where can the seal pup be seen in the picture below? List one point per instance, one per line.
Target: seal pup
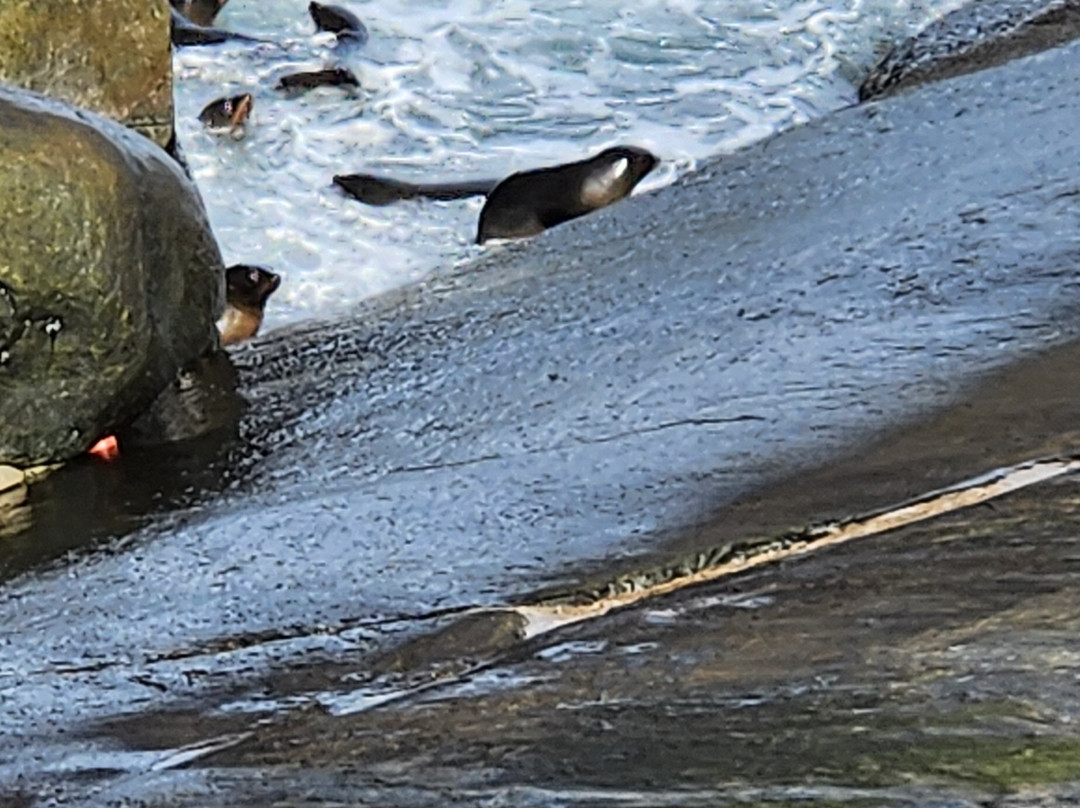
(373, 190)
(227, 113)
(310, 79)
(200, 12)
(339, 20)
(529, 202)
(247, 289)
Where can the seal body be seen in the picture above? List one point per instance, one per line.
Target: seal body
(339, 20)
(227, 113)
(529, 202)
(373, 190)
(183, 32)
(308, 80)
(247, 289)
(200, 12)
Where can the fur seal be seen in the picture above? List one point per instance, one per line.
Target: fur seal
(373, 190)
(308, 80)
(339, 20)
(529, 202)
(227, 113)
(200, 12)
(247, 289)
(183, 32)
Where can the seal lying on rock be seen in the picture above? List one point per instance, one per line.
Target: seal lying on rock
(529, 202)
(339, 20)
(374, 190)
(247, 289)
(200, 12)
(227, 113)
(308, 80)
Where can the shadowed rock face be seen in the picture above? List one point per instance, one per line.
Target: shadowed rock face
(111, 283)
(69, 50)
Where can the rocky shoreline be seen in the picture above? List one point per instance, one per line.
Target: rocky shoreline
(854, 313)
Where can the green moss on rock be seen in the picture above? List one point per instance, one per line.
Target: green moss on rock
(110, 279)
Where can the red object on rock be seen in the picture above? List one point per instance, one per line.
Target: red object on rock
(107, 448)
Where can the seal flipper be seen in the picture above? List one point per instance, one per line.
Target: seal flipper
(374, 190)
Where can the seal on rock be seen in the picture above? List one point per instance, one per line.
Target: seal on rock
(373, 190)
(339, 20)
(227, 113)
(247, 289)
(529, 202)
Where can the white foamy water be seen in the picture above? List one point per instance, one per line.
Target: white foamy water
(460, 89)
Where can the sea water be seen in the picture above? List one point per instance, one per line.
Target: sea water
(466, 89)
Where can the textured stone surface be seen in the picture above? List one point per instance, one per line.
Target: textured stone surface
(110, 279)
(70, 50)
(981, 34)
(687, 367)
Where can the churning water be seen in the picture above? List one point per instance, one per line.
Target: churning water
(468, 89)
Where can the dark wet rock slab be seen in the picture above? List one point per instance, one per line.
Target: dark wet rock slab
(601, 396)
(932, 665)
(978, 35)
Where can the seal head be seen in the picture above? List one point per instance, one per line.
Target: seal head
(339, 20)
(247, 289)
(227, 113)
(529, 202)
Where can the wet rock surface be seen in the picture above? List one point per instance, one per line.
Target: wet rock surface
(802, 331)
(111, 283)
(980, 34)
(68, 50)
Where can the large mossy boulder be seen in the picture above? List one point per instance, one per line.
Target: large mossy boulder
(113, 58)
(110, 279)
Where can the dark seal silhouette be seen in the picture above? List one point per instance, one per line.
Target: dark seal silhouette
(183, 32)
(529, 202)
(339, 20)
(227, 113)
(200, 12)
(373, 190)
(310, 79)
(247, 289)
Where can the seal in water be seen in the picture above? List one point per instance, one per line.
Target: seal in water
(339, 20)
(247, 289)
(374, 190)
(200, 12)
(184, 32)
(331, 77)
(227, 113)
(529, 202)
